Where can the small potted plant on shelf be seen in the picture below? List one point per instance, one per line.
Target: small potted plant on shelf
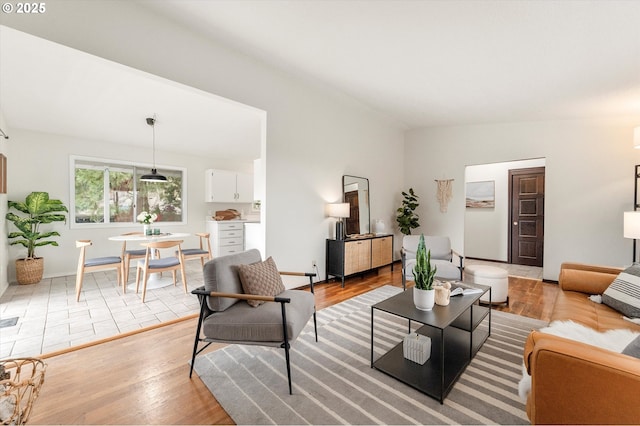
(423, 273)
(39, 209)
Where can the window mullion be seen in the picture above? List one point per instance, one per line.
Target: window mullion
(105, 196)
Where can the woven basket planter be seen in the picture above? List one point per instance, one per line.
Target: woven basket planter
(29, 270)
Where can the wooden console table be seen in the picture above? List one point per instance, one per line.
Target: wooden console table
(358, 255)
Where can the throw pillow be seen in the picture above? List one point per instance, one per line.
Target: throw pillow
(633, 348)
(262, 279)
(623, 294)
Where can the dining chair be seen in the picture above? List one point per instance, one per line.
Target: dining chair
(202, 253)
(128, 255)
(96, 264)
(152, 266)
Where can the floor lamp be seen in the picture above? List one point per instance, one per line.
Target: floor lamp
(632, 228)
(339, 211)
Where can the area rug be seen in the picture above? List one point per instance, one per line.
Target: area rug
(333, 382)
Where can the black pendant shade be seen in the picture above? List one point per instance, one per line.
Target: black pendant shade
(153, 176)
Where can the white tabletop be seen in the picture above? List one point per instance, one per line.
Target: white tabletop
(140, 237)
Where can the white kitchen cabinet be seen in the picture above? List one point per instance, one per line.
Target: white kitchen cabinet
(227, 237)
(225, 186)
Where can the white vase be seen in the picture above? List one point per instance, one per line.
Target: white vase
(146, 228)
(380, 227)
(424, 299)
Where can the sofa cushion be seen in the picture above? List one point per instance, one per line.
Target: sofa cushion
(623, 294)
(262, 279)
(576, 306)
(221, 275)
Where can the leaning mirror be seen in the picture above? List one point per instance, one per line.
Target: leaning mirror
(356, 193)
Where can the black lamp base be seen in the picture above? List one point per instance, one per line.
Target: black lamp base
(339, 230)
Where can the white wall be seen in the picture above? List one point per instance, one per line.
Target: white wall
(589, 181)
(49, 171)
(486, 230)
(314, 134)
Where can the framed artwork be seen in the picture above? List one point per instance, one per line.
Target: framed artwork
(3, 174)
(481, 194)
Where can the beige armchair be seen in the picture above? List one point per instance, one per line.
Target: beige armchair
(227, 317)
(442, 256)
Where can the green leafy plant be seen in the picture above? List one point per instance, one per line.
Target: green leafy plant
(407, 218)
(39, 209)
(423, 272)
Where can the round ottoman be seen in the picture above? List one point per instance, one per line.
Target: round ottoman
(496, 278)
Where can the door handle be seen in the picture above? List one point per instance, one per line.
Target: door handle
(515, 223)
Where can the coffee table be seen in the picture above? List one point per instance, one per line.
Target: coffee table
(455, 339)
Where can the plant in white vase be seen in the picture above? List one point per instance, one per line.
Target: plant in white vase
(424, 274)
(147, 219)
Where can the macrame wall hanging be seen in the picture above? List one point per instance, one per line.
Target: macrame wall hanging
(445, 193)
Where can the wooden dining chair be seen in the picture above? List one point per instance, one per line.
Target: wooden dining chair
(152, 266)
(96, 264)
(128, 255)
(202, 253)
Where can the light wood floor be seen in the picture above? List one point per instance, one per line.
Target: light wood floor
(143, 378)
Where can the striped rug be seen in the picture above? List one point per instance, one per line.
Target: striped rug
(333, 382)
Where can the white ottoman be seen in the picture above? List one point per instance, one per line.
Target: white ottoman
(492, 276)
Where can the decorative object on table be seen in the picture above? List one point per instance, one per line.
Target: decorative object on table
(339, 211)
(631, 227)
(407, 218)
(443, 293)
(481, 194)
(154, 176)
(147, 220)
(444, 193)
(380, 227)
(20, 382)
(423, 273)
(416, 348)
(40, 209)
(229, 214)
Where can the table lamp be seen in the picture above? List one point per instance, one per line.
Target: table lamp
(339, 211)
(632, 228)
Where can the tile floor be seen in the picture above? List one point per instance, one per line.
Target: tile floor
(49, 318)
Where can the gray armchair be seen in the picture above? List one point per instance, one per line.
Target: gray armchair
(442, 257)
(226, 317)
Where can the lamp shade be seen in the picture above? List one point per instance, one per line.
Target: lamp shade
(632, 224)
(338, 210)
(636, 137)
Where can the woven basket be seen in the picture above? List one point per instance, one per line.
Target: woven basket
(20, 383)
(29, 270)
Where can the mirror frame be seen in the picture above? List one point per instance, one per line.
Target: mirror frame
(350, 180)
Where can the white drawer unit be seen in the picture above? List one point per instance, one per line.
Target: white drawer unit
(227, 237)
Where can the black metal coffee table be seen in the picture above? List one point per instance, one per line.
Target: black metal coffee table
(455, 339)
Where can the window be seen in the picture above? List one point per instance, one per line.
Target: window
(111, 192)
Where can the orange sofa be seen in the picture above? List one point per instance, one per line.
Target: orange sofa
(576, 383)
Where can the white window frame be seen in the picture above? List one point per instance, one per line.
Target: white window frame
(73, 159)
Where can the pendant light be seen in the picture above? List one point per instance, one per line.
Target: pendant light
(154, 176)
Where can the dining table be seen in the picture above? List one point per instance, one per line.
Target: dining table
(155, 280)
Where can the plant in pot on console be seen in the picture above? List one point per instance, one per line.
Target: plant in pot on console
(39, 209)
(407, 218)
(423, 273)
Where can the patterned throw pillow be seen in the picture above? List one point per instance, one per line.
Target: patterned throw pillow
(262, 279)
(623, 294)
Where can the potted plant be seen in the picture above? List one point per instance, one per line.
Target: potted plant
(423, 273)
(39, 209)
(407, 218)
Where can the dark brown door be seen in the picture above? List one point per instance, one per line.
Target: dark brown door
(353, 221)
(526, 189)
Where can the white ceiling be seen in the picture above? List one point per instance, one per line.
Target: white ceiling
(423, 63)
(437, 62)
(51, 88)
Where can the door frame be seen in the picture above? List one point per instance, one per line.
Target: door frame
(512, 172)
